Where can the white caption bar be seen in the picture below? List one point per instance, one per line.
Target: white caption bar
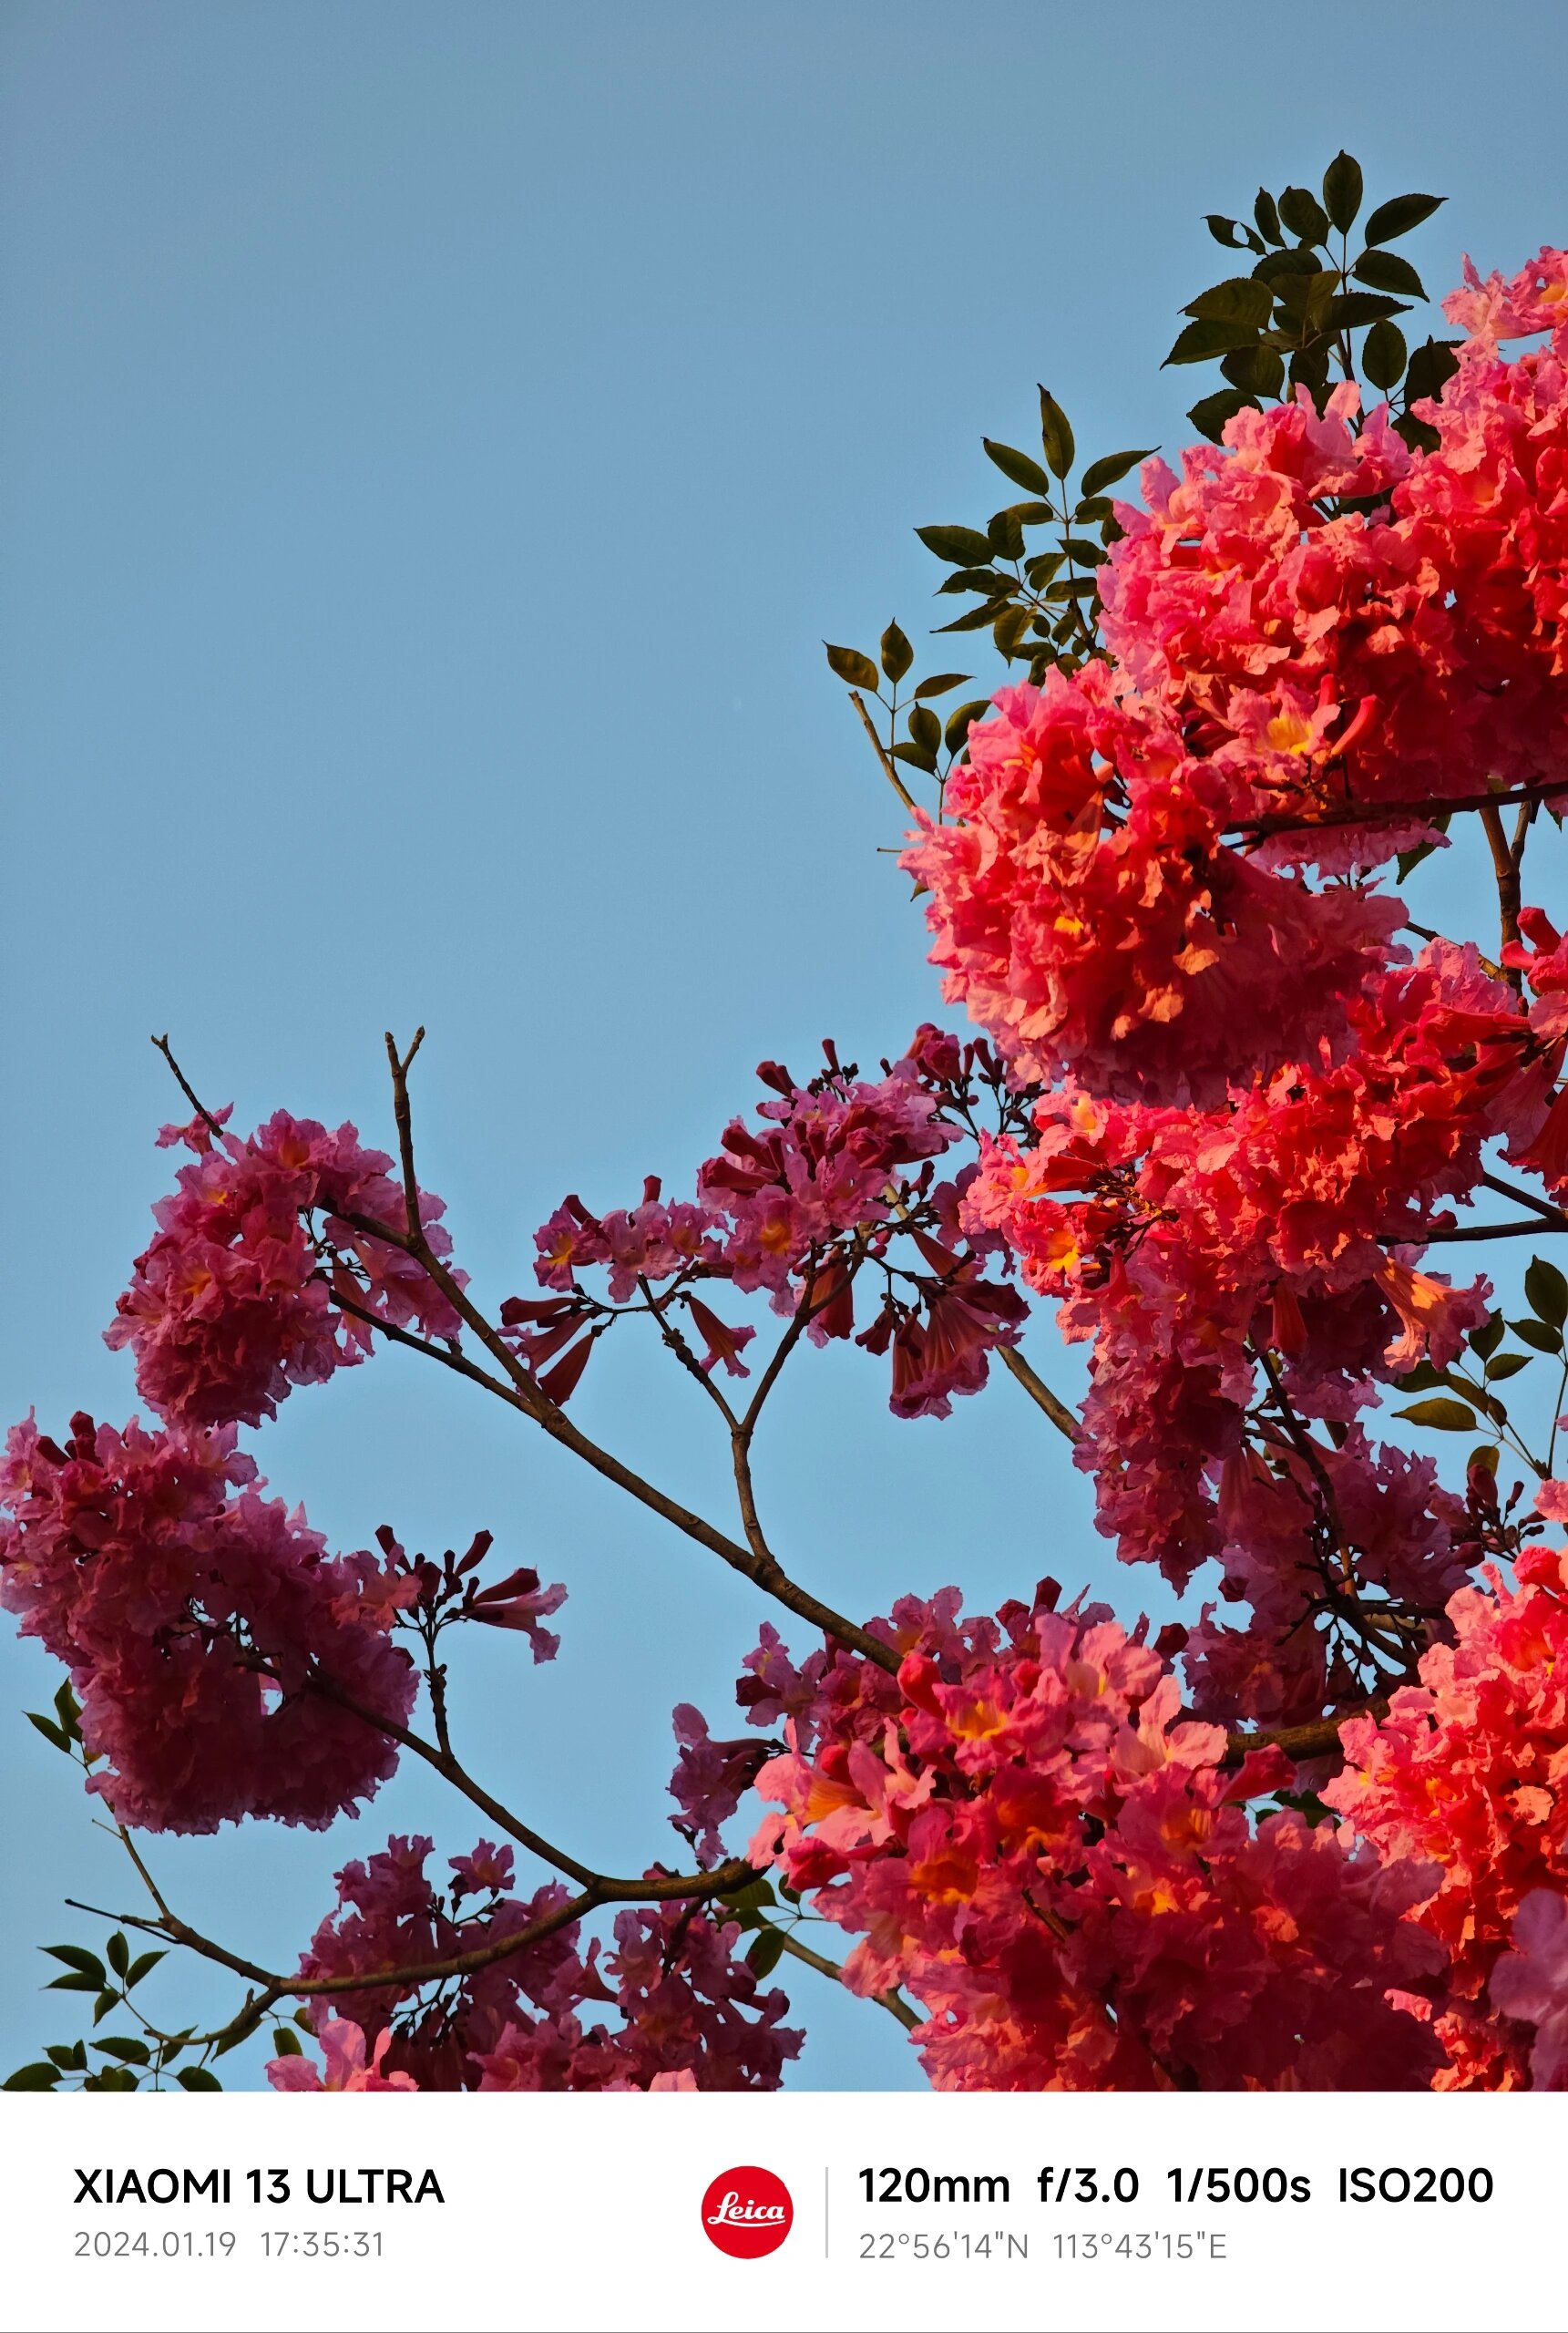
(870, 2211)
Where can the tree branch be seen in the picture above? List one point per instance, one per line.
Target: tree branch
(1037, 1389)
(889, 767)
(1370, 814)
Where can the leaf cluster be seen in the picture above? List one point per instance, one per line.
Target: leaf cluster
(1299, 309)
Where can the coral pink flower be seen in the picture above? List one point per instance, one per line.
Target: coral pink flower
(344, 2068)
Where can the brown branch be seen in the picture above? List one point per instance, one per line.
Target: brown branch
(676, 1885)
(201, 1109)
(892, 2001)
(889, 767)
(1037, 1389)
(1505, 867)
(754, 1563)
(1532, 1226)
(1368, 814)
(1313, 1739)
(1525, 1198)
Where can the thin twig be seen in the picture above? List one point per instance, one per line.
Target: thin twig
(204, 1114)
(889, 767)
(1553, 1214)
(1035, 1386)
(1368, 814)
(892, 2001)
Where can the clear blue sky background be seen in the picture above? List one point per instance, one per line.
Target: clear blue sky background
(435, 441)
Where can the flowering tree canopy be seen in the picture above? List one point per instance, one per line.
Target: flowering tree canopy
(1221, 1101)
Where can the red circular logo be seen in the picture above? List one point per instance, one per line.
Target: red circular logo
(747, 2212)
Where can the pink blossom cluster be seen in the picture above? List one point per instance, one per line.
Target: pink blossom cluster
(1467, 1771)
(1281, 1220)
(1310, 620)
(205, 1628)
(1089, 914)
(797, 1207)
(686, 2013)
(1026, 1835)
(262, 1275)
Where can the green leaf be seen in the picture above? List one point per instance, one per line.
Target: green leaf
(1010, 626)
(1384, 354)
(1536, 1333)
(1353, 308)
(41, 2076)
(198, 2077)
(1547, 1291)
(1304, 215)
(959, 546)
(1005, 534)
(1239, 299)
(1486, 1340)
(142, 1966)
(1106, 472)
(1210, 415)
(119, 1953)
(1408, 860)
(1056, 435)
(1387, 272)
(766, 1953)
(1091, 509)
(76, 1955)
(896, 653)
(939, 684)
(1278, 267)
(1087, 554)
(1021, 468)
(1231, 232)
(70, 2056)
(956, 733)
(287, 2042)
(1034, 514)
(76, 1981)
(1342, 190)
(109, 1998)
(1419, 1379)
(1507, 1364)
(852, 667)
(68, 1710)
(1432, 364)
(1446, 1416)
(1392, 220)
(971, 619)
(1485, 1454)
(926, 729)
(1259, 369)
(990, 580)
(1419, 435)
(50, 1732)
(130, 2052)
(112, 2078)
(1043, 567)
(918, 757)
(1209, 337)
(1265, 210)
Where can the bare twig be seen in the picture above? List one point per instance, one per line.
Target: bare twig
(892, 2001)
(1037, 1389)
(889, 767)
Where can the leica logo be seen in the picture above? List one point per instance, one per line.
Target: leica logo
(747, 2212)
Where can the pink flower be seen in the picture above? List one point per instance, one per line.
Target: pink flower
(206, 1633)
(233, 1303)
(1532, 1983)
(343, 2050)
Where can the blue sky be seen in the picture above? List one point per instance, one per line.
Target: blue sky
(436, 441)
